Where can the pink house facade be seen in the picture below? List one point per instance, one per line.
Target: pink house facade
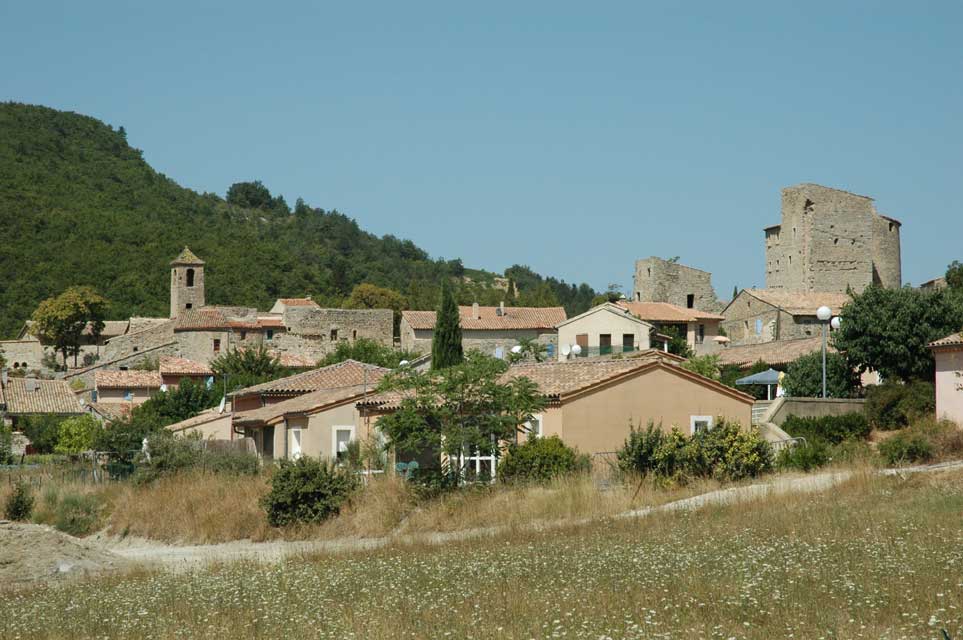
(948, 354)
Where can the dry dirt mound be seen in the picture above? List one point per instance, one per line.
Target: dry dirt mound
(31, 552)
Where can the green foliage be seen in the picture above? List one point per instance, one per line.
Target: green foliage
(367, 351)
(19, 503)
(706, 366)
(370, 296)
(828, 429)
(575, 299)
(678, 343)
(74, 191)
(60, 321)
(78, 514)
(728, 374)
(446, 348)
(307, 490)
(804, 457)
(541, 459)
(888, 330)
(150, 363)
(3, 359)
(804, 377)
(248, 367)
(43, 431)
(76, 435)
(529, 348)
(954, 275)
(892, 405)
(906, 447)
(170, 454)
(6, 445)
(187, 400)
(725, 452)
(461, 409)
(612, 294)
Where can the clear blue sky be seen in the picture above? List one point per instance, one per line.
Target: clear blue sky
(572, 137)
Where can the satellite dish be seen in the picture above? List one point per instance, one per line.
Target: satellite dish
(517, 349)
(220, 407)
(576, 349)
(566, 350)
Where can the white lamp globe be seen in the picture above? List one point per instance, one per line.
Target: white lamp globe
(576, 349)
(835, 322)
(517, 349)
(403, 363)
(824, 313)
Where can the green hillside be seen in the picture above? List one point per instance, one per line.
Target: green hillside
(78, 205)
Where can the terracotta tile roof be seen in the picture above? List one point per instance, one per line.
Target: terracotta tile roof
(271, 322)
(949, 341)
(295, 361)
(208, 415)
(665, 312)
(112, 410)
(130, 379)
(298, 302)
(777, 352)
(253, 325)
(173, 366)
(199, 319)
(29, 396)
(800, 304)
(344, 374)
(300, 405)
(187, 257)
(514, 318)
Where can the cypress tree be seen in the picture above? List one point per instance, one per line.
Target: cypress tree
(446, 342)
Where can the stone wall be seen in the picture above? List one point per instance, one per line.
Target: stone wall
(749, 320)
(487, 342)
(131, 343)
(830, 240)
(658, 280)
(26, 353)
(128, 361)
(313, 332)
(199, 345)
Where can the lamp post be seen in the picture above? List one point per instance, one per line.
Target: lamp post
(823, 314)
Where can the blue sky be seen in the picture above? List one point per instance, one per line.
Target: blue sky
(571, 137)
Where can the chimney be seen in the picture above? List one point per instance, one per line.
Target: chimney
(30, 384)
(501, 308)
(475, 313)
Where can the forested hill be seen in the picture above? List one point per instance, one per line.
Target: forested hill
(78, 205)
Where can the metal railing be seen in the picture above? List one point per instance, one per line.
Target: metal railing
(606, 351)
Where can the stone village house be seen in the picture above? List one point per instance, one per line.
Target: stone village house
(948, 354)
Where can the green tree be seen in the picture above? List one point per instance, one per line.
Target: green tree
(528, 348)
(3, 359)
(76, 434)
(707, 366)
(446, 348)
(463, 409)
(888, 330)
(612, 294)
(251, 195)
(804, 377)
(60, 321)
(186, 401)
(367, 351)
(678, 344)
(541, 296)
(43, 431)
(370, 296)
(246, 367)
(954, 275)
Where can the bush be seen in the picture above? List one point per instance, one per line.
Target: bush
(892, 405)
(42, 432)
(804, 457)
(906, 447)
(307, 490)
(171, 454)
(828, 429)
(6, 445)
(804, 377)
(540, 459)
(77, 514)
(77, 435)
(638, 453)
(19, 504)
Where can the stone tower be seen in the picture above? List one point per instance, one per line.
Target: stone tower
(187, 282)
(831, 240)
(658, 280)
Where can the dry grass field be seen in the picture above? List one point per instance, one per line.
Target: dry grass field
(877, 557)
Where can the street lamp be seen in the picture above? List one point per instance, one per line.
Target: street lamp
(823, 314)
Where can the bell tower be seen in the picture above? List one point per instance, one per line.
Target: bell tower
(187, 282)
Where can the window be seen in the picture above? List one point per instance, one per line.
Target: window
(190, 277)
(701, 334)
(334, 335)
(340, 438)
(638, 296)
(243, 335)
(690, 301)
(354, 334)
(136, 349)
(189, 306)
(758, 326)
(294, 443)
(217, 345)
(698, 424)
(534, 426)
(267, 442)
(270, 334)
(128, 395)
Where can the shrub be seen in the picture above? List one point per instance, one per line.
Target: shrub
(6, 445)
(893, 405)
(638, 453)
(307, 490)
(77, 514)
(828, 429)
(171, 454)
(19, 504)
(906, 447)
(804, 457)
(76, 435)
(804, 377)
(43, 432)
(540, 459)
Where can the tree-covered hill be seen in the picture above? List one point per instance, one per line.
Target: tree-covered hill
(78, 206)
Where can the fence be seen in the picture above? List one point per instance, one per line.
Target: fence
(605, 350)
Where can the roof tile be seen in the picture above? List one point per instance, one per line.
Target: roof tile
(948, 341)
(776, 352)
(344, 374)
(489, 320)
(130, 379)
(665, 312)
(29, 396)
(173, 366)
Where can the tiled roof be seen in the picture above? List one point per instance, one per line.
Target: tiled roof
(271, 322)
(344, 374)
(514, 318)
(665, 312)
(208, 415)
(130, 379)
(307, 403)
(173, 366)
(298, 302)
(800, 304)
(112, 410)
(187, 257)
(112, 328)
(31, 396)
(295, 361)
(949, 341)
(777, 352)
(199, 319)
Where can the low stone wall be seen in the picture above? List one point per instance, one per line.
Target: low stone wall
(811, 408)
(129, 361)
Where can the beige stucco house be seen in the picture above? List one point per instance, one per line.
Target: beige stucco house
(491, 330)
(700, 328)
(602, 330)
(948, 354)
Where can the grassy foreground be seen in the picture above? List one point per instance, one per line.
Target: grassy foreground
(875, 558)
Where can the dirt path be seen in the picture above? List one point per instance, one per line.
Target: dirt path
(185, 557)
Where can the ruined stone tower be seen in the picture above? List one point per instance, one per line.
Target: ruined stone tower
(658, 280)
(187, 282)
(830, 240)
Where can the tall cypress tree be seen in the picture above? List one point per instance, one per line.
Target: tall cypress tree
(446, 342)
